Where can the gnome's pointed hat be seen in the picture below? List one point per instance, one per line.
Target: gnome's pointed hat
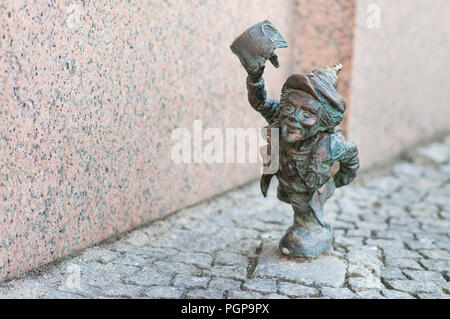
(321, 84)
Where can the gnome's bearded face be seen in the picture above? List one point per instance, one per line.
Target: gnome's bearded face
(310, 103)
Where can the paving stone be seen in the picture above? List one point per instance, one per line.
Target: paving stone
(358, 233)
(339, 233)
(164, 292)
(224, 284)
(204, 294)
(369, 294)
(423, 275)
(368, 256)
(404, 229)
(400, 253)
(347, 242)
(245, 246)
(244, 295)
(408, 169)
(152, 253)
(388, 183)
(422, 243)
(179, 239)
(364, 283)
(116, 271)
(337, 293)
(348, 206)
(272, 218)
(119, 246)
(371, 216)
(385, 243)
(123, 290)
(296, 290)
(200, 260)
(394, 294)
(190, 281)
(337, 252)
(371, 226)
(157, 229)
(436, 254)
(138, 238)
(392, 273)
(84, 291)
(148, 278)
(104, 275)
(274, 296)
(174, 268)
(232, 272)
(413, 286)
(131, 259)
(258, 225)
(325, 270)
(55, 294)
(436, 265)
(337, 224)
(445, 285)
(261, 285)
(433, 296)
(100, 279)
(230, 259)
(25, 289)
(442, 229)
(403, 263)
(362, 271)
(442, 242)
(437, 198)
(98, 254)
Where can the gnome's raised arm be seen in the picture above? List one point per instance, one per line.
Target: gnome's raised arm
(257, 97)
(254, 47)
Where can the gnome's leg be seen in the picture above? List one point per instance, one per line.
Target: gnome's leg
(307, 237)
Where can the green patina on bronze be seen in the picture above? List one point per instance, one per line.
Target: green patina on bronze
(307, 117)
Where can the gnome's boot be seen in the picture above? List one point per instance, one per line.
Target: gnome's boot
(307, 237)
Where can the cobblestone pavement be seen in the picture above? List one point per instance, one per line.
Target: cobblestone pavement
(392, 241)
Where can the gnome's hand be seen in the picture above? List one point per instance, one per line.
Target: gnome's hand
(256, 74)
(342, 179)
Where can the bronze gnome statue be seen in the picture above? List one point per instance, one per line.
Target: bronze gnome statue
(307, 116)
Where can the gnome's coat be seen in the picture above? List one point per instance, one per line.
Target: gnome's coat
(305, 176)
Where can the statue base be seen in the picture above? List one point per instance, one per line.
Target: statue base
(307, 237)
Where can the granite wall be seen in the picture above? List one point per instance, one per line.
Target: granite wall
(400, 87)
(90, 92)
